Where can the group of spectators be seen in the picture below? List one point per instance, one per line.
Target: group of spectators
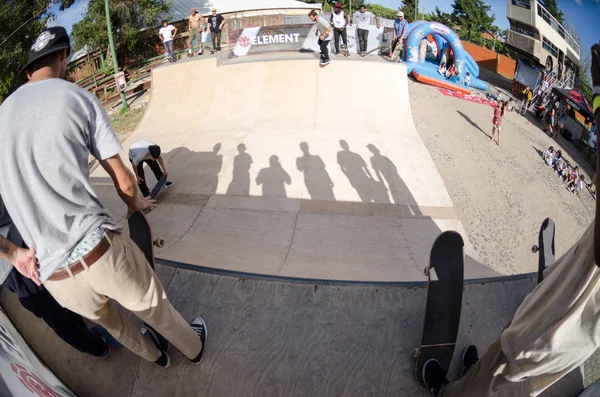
(573, 179)
(197, 25)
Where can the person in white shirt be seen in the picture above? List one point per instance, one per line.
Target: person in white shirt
(166, 34)
(362, 19)
(339, 20)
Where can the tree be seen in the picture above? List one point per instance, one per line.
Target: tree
(553, 9)
(441, 17)
(128, 18)
(408, 8)
(473, 18)
(21, 21)
(585, 61)
(382, 11)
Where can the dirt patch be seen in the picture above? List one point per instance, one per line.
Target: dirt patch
(501, 193)
(125, 124)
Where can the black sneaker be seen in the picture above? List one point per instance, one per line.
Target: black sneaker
(164, 343)
(199, 326)
(163, 357)
(434, 376)
(168, 184)
(470, 356)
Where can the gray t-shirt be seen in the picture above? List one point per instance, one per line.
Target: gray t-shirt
(363, 19)
(48, 129)
(322, 26)
(139, 152)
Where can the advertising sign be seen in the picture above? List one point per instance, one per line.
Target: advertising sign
(21, 373)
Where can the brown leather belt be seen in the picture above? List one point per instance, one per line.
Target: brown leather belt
(89, 259)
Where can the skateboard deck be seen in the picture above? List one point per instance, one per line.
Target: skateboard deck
(396, 53)
(141, 234)
(545, 247)
(444, 302)
(158, 187)
(373, 50)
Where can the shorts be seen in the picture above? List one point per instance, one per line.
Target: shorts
(497, 124)
(195, 33)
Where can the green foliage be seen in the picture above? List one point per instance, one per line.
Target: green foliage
(585, 79)
(382, 11)
(127, 17)
(408, 8)
(21, 21)
(441, 17)
(553, 9)
(473, 18)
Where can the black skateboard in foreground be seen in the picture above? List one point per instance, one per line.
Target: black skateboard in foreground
(545, 247)
(444, 302)
(141, 234)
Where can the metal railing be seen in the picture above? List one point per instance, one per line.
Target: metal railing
(550, 20)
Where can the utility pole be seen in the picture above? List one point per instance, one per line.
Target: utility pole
(416, 10)
(113, 52)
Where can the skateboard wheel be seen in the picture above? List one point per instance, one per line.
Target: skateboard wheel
(535, 248)
(416, 353)
(426, 271)
(159, 242)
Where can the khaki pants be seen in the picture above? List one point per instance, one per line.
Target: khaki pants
(123, 275)
(553, 331)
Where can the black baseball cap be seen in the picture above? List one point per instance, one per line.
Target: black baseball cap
(48, 42)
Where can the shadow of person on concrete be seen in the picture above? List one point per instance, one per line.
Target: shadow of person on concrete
(240, 183)
(474, 124)
(197, 171)
(356, 170)
(539, 152)
(273, 179)
(386, 170)
(317, 180)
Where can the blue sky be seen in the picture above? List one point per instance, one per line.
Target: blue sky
(584, 14)
(69, 16)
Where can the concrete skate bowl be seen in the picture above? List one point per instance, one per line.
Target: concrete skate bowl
(284, 168)
(306, 267)
(276, 336)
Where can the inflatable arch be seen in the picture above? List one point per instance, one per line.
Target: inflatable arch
(446, 40)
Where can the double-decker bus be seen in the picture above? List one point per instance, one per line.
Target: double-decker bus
(537, 36)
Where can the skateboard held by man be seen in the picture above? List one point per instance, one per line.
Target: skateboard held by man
(545, 247)
(445, 275)
(141, 234)
(396, 53)
(344, 50)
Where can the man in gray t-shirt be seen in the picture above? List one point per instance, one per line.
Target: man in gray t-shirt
(325, 33)
(48, 128)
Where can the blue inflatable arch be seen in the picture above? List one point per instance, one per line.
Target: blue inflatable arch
(421, 30)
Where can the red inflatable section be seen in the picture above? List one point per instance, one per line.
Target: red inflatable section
(439, 83)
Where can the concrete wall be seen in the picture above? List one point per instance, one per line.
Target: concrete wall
(491, 60)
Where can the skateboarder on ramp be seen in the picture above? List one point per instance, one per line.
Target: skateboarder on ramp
(553, 331)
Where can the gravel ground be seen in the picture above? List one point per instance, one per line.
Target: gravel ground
(501, 193)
